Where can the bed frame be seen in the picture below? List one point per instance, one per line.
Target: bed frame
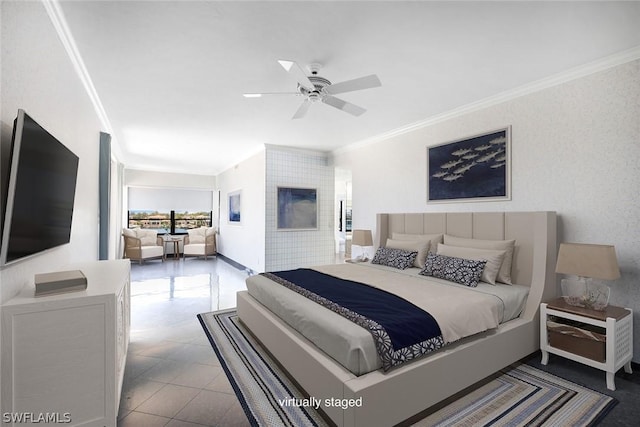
(393, 397)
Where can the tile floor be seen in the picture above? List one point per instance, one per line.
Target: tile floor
(172, 376)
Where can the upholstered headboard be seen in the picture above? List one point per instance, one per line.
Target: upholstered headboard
(535, 234)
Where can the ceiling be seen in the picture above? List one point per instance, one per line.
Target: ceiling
(171, 74)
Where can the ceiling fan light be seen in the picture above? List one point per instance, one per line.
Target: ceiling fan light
(314, 96)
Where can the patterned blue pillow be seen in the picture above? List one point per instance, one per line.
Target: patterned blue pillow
(396, 258)
(464, 271)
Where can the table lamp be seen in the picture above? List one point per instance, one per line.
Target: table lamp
(587, 261)
(362, 238)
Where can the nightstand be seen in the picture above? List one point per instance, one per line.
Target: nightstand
(601, 339)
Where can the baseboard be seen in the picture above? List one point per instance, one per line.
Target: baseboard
(236, 264)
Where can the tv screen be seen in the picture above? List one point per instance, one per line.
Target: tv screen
(42, 187)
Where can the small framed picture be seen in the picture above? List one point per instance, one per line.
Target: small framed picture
(235, 205)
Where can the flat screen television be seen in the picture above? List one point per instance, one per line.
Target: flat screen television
(41, 192)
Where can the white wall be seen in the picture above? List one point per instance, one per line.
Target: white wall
(575, 150)
(38, 77)
(115, 209)
(244, 242)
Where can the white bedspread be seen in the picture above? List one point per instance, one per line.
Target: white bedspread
(460, 311)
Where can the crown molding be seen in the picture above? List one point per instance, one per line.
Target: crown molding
(605, 63)
(64, 33)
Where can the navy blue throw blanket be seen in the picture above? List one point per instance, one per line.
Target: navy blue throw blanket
(401, 330)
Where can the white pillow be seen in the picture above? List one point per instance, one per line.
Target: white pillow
(504, 275)
(196, 235)
(422, 247)
(433, 239)
(494, 259)
(147, 237)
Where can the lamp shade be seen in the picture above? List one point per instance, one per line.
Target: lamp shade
(362, 238)
(587, 260)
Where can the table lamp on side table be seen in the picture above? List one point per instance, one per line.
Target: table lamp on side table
(361, 238)
(587, 261)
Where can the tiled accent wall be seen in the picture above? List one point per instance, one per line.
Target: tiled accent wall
(292, 249)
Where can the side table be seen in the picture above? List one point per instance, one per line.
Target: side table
(176, 247)
(601, 339)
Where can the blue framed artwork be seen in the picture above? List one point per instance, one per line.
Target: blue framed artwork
(235, 207)
(477, 168)
(297, 208)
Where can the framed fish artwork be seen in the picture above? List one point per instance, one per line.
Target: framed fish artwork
(473, 169)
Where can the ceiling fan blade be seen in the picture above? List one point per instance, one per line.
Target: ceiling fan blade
(302, 110)
(343, 105)
(297, 72)
(259, 95)
(360, 83)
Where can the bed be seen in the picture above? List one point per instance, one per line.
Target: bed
(441, 373)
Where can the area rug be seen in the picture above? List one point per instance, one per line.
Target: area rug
(520, 396)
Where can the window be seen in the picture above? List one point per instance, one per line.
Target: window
(169, 210)
(168, 222)
(160, 221)
(184, 221)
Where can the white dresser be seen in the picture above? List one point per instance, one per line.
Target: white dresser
(63, 356)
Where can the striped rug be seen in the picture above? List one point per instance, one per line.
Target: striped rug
(520, 396)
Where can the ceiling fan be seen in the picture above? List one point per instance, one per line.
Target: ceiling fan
(315, 88)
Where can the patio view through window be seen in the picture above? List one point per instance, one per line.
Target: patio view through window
(168, 222)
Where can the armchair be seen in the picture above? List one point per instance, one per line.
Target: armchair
(141, 245)
(200, 242)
